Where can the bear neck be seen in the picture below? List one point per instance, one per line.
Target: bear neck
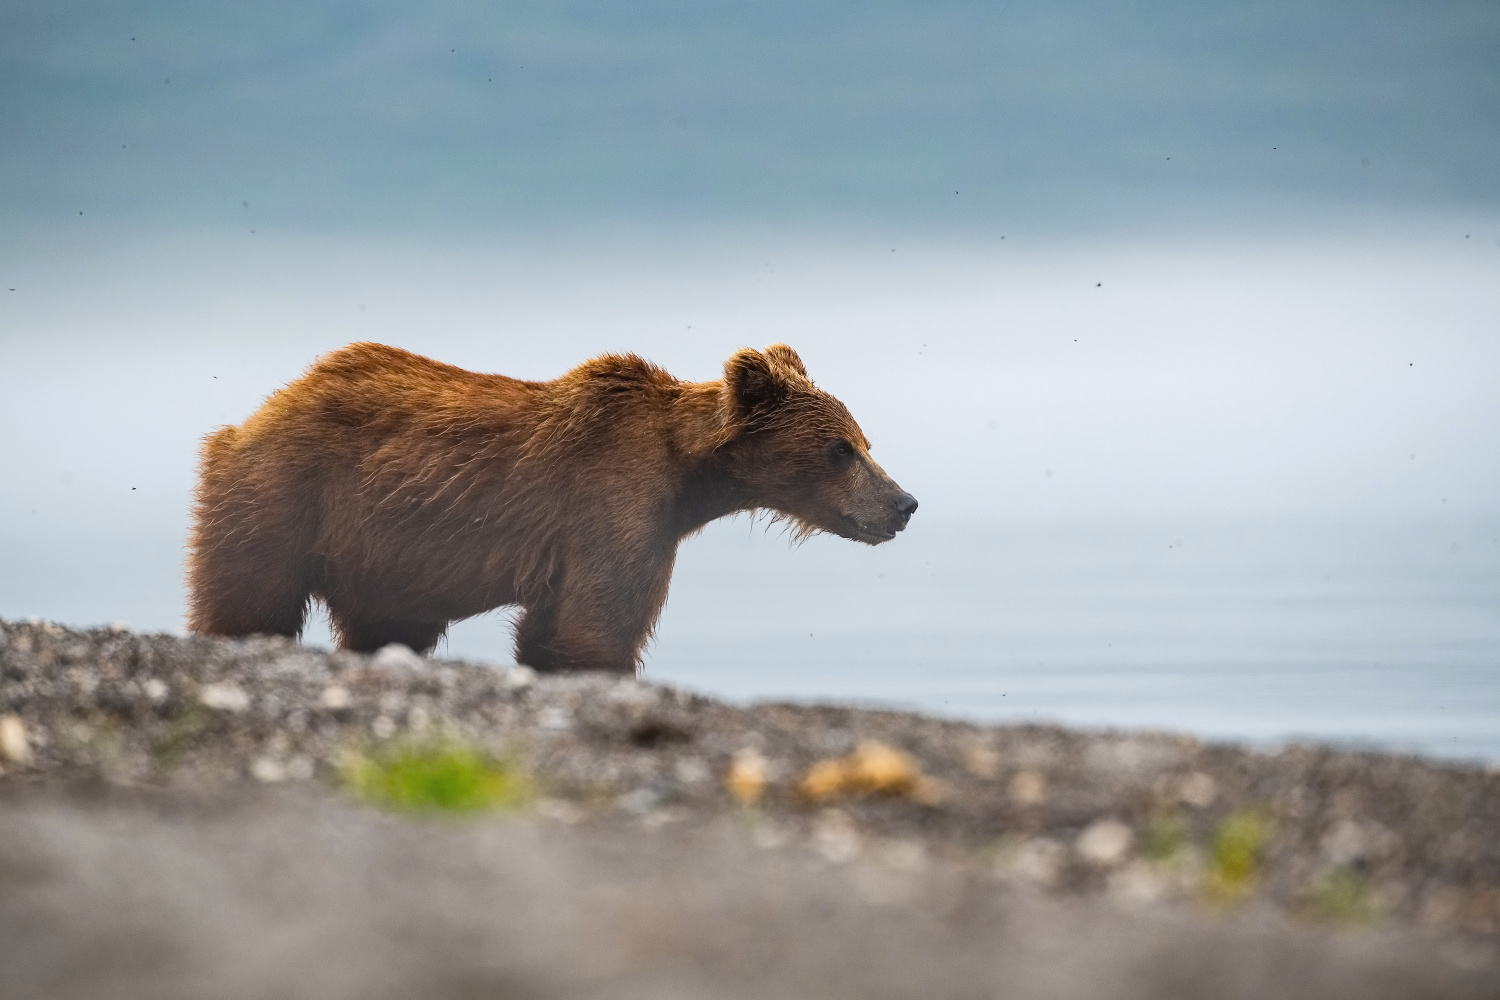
(709, 491)
(705, 436)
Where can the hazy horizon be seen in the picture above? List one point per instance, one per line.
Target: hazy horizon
(956, 115)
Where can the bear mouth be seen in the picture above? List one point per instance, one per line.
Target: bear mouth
(862, 532)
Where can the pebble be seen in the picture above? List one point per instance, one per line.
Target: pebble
(639, 801)
(835, 838)
(746, 779)
(268, 769)
(517, 677)
(1105, 843)
(14, 746)
(873, 768)
(224, 697)
(658, 818)
(1136, 885)
(690, 771)
(554, 719)
(1440, 907)
(559, 810)
(982, 763)
(398, 657)
(1039, 860)
(1197, 790)
(632, 693)
(901, 855)
(1028, 788)
(1348, 841)
(769, 835)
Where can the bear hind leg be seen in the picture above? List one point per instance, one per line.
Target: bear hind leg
(244, 591)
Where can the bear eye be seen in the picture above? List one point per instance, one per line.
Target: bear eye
(843, 449)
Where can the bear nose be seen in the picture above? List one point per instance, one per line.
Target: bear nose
(906, 504)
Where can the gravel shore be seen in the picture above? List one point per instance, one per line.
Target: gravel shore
(175, 821)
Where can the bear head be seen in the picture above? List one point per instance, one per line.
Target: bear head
(798, 451)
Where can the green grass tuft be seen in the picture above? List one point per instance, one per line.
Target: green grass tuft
(1163, 837)
(186, 726)
(1342, 896)
(436, 777)
(1234, 865)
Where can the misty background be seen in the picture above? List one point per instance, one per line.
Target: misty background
(1182, 321)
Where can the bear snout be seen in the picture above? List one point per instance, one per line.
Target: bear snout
(881, 520)
(906, 506)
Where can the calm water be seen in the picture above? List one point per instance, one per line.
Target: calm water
(1369, 634)
(1381, 635)
(1032, 395)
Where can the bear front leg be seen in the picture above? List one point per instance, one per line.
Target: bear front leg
(368, 636)
(595, 620)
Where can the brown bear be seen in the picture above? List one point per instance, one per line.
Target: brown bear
(406, 494)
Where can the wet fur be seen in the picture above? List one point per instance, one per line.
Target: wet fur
(406, 494)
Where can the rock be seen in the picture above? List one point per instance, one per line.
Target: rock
(1028, 788)
(1440, 907)
(835, 837)
(14, 746)
(746, 779)
(555, 719)
(873, 768)
(1349, 841)
(1197, 790)
(1137, 884)
(398, 657)
(1039, 860)
(1105, 843)
(224, 697)
(517, 677)
(268, 769)
(900, 855)
(823, 780)
(639, 801)
(559, 810)
(632, 693)
(690, 771)
(769, 835)
(982, 763)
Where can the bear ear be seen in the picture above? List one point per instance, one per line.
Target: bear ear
(783, 357)
(754, 383)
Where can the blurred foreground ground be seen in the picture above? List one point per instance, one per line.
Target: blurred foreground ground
(175, 822)
(288, 893)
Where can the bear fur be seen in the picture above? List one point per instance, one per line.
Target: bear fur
(406, 494)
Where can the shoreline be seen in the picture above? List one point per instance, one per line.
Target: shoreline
(1314, 839)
